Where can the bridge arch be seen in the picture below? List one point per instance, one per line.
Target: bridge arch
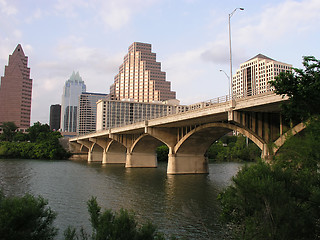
(188, 155)
(282, 139)
(142, 153)
(115, 152)
(217, 131)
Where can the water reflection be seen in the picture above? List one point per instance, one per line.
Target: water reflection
(184, 205)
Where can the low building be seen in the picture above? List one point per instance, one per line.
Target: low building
(115, 113)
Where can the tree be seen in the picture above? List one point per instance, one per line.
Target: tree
(114, 226)
(282, 200)
(26, 218)
(9, 130)
(302, 86)
(38, 132)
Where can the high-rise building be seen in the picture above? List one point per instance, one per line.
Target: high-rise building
(254, 75)
(16, 91)
(140, 77)
(70, 101)
(87, 112)
(55, 117)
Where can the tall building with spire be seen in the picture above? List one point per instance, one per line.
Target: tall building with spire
(70, 101)
(16, 91)
(140, 77)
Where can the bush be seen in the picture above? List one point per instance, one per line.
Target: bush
(26, 218)
(114, 226)
(282, 200)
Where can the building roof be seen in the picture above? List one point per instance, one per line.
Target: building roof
(261, 56)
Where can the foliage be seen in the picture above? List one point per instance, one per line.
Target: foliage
(233, 148)
(282, 200)
(26, 218)
(114, 226)
(302, 86)
(9, 130)
(162, 153)
(39, 132)
(39, 143)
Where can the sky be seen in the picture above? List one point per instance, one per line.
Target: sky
(190, 38)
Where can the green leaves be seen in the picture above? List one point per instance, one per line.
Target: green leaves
(302, 86)
(282, 200)
(26, 218)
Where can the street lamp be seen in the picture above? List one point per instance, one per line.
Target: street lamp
(228, 80)
(230, 15)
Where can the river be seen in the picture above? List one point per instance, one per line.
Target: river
(183, 205)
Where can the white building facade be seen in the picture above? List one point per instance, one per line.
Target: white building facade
(115, 113)
(254, 76)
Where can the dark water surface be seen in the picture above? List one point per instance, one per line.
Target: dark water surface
(184, 205)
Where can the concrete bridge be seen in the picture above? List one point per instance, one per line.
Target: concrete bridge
(189, 134)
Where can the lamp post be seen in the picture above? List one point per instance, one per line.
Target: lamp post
(230, 15)
(228, 80)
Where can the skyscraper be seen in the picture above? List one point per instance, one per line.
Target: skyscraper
(70, 101)
(87, 111)
(254, 75)
(55, 117)
(16, 91)
(140, 77)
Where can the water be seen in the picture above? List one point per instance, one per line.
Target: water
(184, 205)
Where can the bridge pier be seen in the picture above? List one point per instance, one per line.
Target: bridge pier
(113, 157)
(187, 164)
(141, 160)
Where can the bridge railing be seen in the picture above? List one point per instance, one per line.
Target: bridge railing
(196, 106)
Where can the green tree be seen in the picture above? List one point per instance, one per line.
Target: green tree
(113, 226)
(26, 218)
(282, 200)
(38, 132)
(162, 153)
(9, 130)
(302, 86)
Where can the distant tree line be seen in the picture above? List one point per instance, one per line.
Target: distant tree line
(39, 142)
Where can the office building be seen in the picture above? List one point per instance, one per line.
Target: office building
(115, 113)
(72, 90)
(55, 117)
(140, 77)
(16, 91)
(87, 112)
(254, 75)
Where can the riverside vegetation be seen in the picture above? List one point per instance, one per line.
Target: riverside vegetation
(38, 143)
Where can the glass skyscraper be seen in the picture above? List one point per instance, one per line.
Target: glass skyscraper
(70, 101)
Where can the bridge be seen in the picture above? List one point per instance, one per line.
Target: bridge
(189, 134)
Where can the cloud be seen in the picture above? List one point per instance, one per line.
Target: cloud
(117, 13)
(7, 9)
(286, 20)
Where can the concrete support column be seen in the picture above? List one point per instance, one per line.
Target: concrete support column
(266, 155)
(114, 157)
(187, 164)
(89, 156)
(141, 160)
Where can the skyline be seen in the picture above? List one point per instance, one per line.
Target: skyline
(190, 38)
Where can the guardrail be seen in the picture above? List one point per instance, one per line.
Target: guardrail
(194, 107)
